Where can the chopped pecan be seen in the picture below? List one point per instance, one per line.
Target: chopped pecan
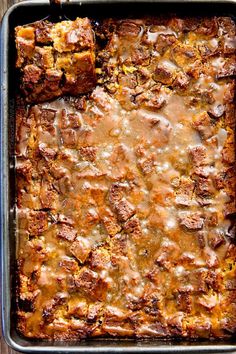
(201, 237)
(79, 103)
(93, 312)
(181, 81)
(37, 222)
(43, 32)
(204, 187)
(124, 210)
(219, 180)
(43, 57)
(227, 180)
(213, 279)
(133, 228)
(31, 74)
(191, 220)
(69, 137)
(143, 75)
(202, 123)
(116, 193)
(100, 258)
(58, 173)
(146, 164)
(119, 245)
(89, 282)
(80, 248)
(151, 304)
(164, 42)
(128, 29)
(184, 301)
(47, 152)
(47, 117)
(153, 100)
(230, 210)
(198, 155)
(185, 191)
(48, 196)
(164, 73)
(68, 264)
(216, 240)
(197, 279)
(66, 232)
(74, 120)
(110, 223)
(52, 80)
(88, 153)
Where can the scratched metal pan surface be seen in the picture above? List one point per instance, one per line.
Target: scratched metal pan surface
(27, 12)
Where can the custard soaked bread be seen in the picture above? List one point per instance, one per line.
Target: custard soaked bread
(126, 196)
(56, 59)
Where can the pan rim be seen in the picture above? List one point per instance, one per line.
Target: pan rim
(4, 204)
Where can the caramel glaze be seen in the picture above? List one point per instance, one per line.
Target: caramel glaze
(126, 195)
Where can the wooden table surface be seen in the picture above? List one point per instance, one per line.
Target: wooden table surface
(4, 349)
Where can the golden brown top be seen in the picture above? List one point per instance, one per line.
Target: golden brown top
(125, 196)
(55, 59)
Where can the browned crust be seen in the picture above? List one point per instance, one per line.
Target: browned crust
(55, 59)
(100, 253)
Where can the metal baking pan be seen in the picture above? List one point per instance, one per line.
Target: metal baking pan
(27, 12)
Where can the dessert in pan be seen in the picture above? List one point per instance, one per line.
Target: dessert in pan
(56, 59)
(125, 178)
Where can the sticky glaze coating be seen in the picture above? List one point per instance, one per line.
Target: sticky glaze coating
(126, 196)
(55, 59)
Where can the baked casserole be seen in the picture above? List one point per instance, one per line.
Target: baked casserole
(126, 178)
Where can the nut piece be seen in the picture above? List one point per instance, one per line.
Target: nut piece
(198, 155)
(80, 248)
(67, 232)
(89, 282)
(185, 191)
(191, 220)
(124, 210)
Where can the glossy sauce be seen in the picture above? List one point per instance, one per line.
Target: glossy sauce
(148, 152)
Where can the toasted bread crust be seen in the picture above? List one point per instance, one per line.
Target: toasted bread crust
(55, 59)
